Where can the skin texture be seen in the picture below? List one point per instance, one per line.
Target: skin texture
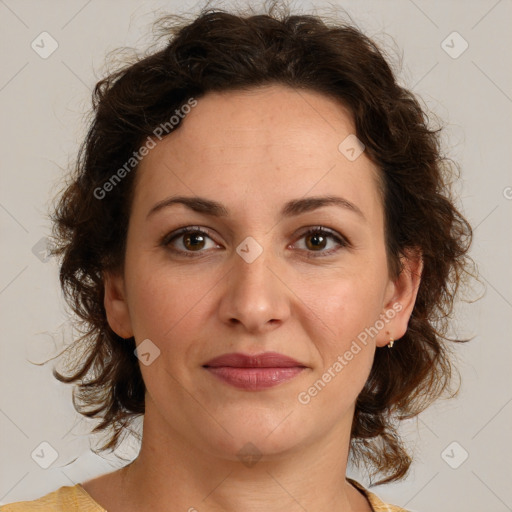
(252, 151)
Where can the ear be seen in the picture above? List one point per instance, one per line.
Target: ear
(400, 298)
(116, 307)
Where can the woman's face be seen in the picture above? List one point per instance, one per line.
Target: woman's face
(253, 280)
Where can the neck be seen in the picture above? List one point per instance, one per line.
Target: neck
(171, 470)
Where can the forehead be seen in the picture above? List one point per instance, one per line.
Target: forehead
(266, 144)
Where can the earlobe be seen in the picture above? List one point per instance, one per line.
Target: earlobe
(404, 290)
(116, 306)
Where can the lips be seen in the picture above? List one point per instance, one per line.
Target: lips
(254, 372)
(265, 360)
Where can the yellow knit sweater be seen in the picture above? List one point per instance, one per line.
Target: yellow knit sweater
(76, 499)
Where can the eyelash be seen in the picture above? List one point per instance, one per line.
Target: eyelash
(343, 242)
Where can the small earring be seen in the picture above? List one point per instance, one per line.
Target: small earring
(390, 344)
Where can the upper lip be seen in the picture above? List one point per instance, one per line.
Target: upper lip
(264, 360)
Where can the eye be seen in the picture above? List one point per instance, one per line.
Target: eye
(192, 239)
(317, 238)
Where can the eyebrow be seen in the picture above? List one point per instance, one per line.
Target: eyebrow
(290, 209)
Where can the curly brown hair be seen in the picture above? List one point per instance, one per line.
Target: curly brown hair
(223, 51)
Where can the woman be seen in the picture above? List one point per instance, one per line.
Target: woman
(262, 246)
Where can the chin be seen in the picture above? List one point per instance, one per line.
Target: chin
(262, 436)
(249, 447)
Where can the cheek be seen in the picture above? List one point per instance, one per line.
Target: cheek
(345, 311)
(161, 302)
(347, 305)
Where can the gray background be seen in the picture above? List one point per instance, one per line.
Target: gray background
(43, 101)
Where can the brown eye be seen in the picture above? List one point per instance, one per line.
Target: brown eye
(316, 241)
(193, 241)
(318, 238)
(187, 241)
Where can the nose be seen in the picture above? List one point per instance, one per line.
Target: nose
(255, 297)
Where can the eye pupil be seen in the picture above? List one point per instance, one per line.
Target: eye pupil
(187, 238)
(317, 237)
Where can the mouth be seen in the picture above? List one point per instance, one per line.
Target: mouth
(254, 372)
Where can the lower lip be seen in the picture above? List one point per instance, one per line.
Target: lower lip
(254, 379)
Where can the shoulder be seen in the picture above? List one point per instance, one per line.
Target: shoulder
(376, 503)
(64, 499)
